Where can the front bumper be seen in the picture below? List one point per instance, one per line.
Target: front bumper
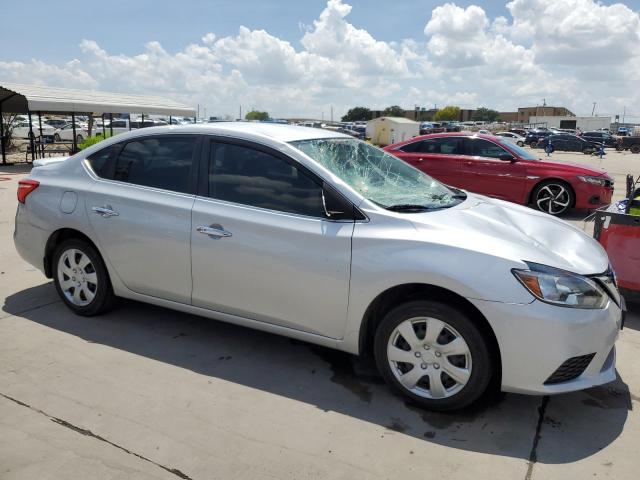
(537, 338)
(589, 197)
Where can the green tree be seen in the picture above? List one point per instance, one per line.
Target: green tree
(485, 114)
(447, 113)
(357, 114)
(393, 111)
(256, 115)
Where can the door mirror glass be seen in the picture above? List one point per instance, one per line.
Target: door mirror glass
(507, 157)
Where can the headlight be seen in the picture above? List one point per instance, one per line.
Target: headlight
(558, 287)
(602, 181)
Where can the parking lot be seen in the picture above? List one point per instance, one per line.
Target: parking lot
(144, 392)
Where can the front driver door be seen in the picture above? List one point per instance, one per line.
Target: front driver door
(487, 174)
(261, 246)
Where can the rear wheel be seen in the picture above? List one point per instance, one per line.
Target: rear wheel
(534, 145)
(635, 148)
(56, 137)
(81, 278)
(553, 197)
(520, 143)
(79, 138)
(433, 355)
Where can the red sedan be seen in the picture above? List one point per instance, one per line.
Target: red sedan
(495, 167)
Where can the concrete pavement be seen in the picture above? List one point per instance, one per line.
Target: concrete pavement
(145, 392)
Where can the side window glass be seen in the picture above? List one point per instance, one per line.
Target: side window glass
(484, 148)
(98, 161)
(413, 147)
(160, 162)
(247, 176)
(447, 146)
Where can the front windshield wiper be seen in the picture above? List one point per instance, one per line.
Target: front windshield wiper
(408, 207)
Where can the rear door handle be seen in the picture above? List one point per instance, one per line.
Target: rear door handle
(106, 211)
(215, 230)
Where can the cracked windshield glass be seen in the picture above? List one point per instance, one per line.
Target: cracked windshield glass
(380, 177)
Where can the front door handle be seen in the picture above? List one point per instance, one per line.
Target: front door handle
(215, 230)
(106, 211)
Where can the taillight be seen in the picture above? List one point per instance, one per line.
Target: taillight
(25, 187)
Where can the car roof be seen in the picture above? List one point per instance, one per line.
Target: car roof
(449, 134)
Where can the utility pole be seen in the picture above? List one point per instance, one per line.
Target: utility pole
(331, 113)
(198, 111)
(593, 109)
(624, 113)
(205, 113)
(240, 116)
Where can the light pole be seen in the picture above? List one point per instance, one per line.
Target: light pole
(594, 108)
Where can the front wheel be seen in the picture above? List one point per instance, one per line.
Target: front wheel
(433, 355)
(553, 197)
(635, 148)
(56, 137)
(520, 144)
(81, 278)
(533, 144)
(79, 139)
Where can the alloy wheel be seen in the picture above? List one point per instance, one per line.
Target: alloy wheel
(553, 198)
(429, 357)
(77, 277)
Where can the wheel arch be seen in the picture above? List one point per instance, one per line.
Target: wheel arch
(394, 296)
(56, 238)
(554, 179)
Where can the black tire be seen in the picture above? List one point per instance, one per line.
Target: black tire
(587, 150)
(533, 144)
(635, 148)
(520, 144)
(481, 360)
(79, 138)
(551, 184)
(104, 298)
(56, 137)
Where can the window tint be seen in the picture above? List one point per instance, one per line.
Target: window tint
(99, 160)
(243, 175)
(447, 145)
(160, 162)
(484, 148)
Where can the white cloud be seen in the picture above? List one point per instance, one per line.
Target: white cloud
(571, 52)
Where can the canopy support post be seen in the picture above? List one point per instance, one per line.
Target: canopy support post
(142, 121)
(111, 124)
(31, 143)
(41, 149)
(75, 140)
(170, 119)
(104, 129)
(4, 153)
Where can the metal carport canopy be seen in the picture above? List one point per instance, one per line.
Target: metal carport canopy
(20, 98)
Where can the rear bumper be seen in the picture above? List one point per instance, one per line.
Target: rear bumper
(30, 241)
(537, 338)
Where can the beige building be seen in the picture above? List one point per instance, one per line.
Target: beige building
(525, 113)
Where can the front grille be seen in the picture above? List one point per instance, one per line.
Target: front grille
(570, 369)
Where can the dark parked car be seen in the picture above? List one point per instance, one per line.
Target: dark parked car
(600, 137)
(520, 131)
(534, 136)
(569, 143)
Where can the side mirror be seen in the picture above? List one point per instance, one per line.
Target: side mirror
(336, 207)
(507, 157)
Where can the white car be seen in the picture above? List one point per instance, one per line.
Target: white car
(66, 133)
(512, 137)
(321, 237)
(21, 130)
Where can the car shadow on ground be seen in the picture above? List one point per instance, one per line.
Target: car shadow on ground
(501, 424)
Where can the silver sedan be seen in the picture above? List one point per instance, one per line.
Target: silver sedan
(327, 239)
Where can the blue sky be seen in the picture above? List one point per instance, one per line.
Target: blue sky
(124, 26)
(304, 57)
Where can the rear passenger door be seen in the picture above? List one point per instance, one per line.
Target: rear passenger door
(437, 157)
(140, 211)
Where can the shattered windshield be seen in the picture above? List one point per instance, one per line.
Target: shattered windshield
(379, 176)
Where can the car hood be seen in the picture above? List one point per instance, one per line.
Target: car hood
(571, 167)
(517, 233)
